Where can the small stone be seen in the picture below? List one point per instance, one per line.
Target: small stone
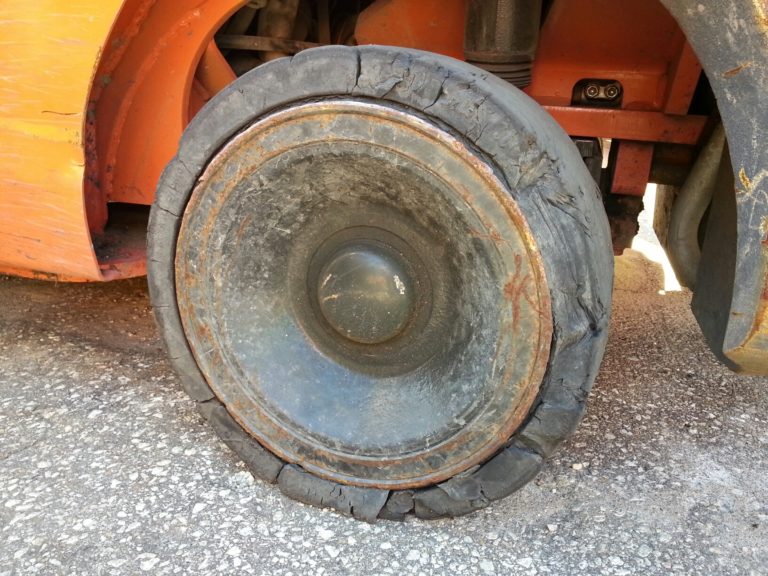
(616, 561)
(385, 546)
(577, 466)
(332, 551)
(198, 507)
(413, 556)
(149, 563)
(243, 478)
(324, 533)
(644, 551)
(525, 562)
(487, 566)
(552, 527)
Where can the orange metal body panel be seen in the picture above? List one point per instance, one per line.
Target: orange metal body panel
(83, 83)
(639, 125)
(141, 97)
(632, 41)
(433, 25)
(47, 60)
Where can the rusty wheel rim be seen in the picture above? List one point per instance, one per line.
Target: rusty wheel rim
(427, 386)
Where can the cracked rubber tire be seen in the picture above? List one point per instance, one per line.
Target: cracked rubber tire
(385, 276)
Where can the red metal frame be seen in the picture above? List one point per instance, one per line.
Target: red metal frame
(634, 42)
(631, 168)
(636, 125)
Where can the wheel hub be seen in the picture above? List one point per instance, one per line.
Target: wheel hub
(366, 294)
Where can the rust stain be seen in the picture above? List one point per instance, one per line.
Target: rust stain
(242, 228)
(752, 343)
(745, 180)
(734, 71)
(516, 287)
(752, 184)
(492, 235)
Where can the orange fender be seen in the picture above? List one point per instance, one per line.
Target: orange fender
(94, 96)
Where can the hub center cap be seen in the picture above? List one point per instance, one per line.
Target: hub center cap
(366, 294)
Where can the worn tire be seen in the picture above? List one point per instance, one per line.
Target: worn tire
(542, 172)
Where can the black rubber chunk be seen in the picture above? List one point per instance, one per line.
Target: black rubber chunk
(549, 426)
(176, 181)
(507, 472)
(398, 505)
(435, 503)
(263, 464)
(362, 503)
(271, 86)
(163, 228)
(464, 487)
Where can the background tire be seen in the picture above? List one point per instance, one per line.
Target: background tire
(554, 217)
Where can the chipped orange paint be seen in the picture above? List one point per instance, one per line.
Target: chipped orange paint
(47, 58)
(83, 83)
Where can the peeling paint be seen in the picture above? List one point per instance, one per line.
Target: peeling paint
(745, 181)
(751, 185)
(734, 71)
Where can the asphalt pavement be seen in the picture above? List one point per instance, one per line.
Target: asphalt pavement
(106, 467)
